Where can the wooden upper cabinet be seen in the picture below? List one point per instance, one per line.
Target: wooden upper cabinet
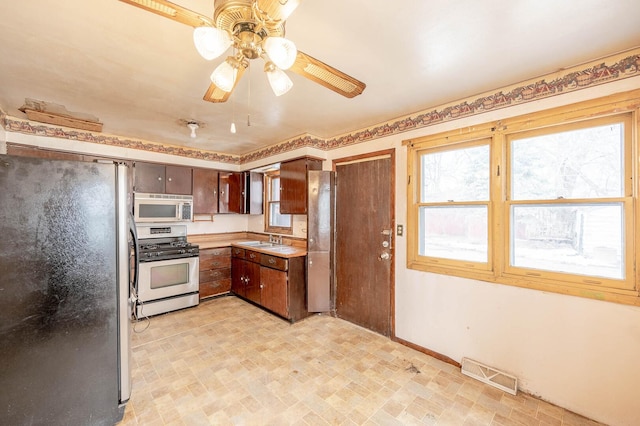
(230, 197)
(161, 179)
(178, 180)
(205, 191)
(240, 192)
(149, 178)
(293, 184)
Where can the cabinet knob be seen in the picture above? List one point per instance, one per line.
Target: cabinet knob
(272, 261)
(159, 177)
(261, 285)
(169, 179)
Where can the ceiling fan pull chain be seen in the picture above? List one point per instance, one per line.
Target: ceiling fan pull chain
(249, 100)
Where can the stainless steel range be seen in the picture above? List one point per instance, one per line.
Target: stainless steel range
(168, 274)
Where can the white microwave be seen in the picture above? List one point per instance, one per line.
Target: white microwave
(162, 207)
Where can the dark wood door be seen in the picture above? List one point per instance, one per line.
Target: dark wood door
(274, 291)
(205, 191)
(149, 178)
(364, 223)
(178, 180)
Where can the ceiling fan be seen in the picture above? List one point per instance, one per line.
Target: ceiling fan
(255, 29)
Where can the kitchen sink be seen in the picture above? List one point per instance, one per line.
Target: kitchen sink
(267, 246)
(282, 249)
(257, 243)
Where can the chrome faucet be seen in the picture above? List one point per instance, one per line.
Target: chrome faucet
(275, 239)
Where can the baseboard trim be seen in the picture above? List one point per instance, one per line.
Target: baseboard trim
(426, 351)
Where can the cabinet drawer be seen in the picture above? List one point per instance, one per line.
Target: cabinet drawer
(252, 256)
(212, 288)
(237, 252)
(221, 251)
(274, 262)
(214, 262)
(214, 275)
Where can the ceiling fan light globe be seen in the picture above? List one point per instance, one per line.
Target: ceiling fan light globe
(279, 81)
(224, 76)
(281, 51)
(211, 42)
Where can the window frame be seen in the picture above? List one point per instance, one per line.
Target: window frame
(622, 107)
(267, 206)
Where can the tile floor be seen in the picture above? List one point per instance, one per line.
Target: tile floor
(227, 362)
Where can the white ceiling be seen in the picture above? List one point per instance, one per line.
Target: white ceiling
(140, 74)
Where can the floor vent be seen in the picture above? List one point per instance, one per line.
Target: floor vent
(490, 376)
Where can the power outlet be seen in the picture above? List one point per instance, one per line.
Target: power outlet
(399, 230)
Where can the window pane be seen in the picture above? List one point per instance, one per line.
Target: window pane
(277, 219)
(275, 189)
(579, 239)
(585, 163)
(458, 175)
(454, 232)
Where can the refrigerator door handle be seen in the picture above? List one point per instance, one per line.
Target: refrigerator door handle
(136, 253)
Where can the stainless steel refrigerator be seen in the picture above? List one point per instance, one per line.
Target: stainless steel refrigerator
(64, 292)
(320, 219)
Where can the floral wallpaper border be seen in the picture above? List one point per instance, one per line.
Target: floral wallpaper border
(613, 68)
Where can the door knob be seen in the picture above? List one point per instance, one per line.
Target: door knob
(385, 256)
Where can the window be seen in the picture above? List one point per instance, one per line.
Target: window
(274, 220)
(567, 202)
(454, 203)
(544, 201)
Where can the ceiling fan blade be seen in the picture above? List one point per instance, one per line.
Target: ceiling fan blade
(329, 77)
(216, 95)
(278, 10)
(172, 11)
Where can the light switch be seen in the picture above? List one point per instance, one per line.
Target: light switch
(399, 230)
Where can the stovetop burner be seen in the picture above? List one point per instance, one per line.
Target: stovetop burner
(166, 248)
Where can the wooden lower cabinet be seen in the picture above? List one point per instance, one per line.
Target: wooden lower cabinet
(215, 271)
(274, 291)
(252, 282)
(277, 284)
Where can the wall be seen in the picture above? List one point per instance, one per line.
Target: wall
(580, 354)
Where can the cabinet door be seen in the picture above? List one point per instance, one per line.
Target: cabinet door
(236, 193)
(149, 178)
(274, 291)
(231, 198)
(178, 180)
(252, 287)
(255, 187)
(238, 276)
(205, 191)
(293, 184)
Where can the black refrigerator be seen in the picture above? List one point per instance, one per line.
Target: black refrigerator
(64, 292)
